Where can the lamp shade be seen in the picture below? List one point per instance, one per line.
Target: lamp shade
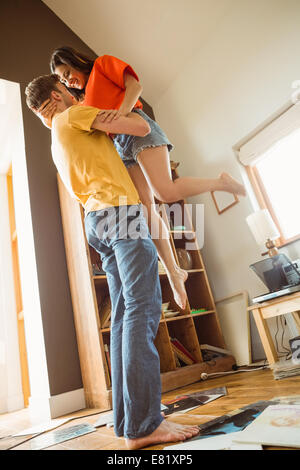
(262, 226)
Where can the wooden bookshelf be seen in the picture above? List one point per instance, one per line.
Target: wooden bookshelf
(89, 291)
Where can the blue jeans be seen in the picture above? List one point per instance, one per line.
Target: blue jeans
(129, 146)
(132, 274)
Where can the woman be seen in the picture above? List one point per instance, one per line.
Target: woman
(112, 86)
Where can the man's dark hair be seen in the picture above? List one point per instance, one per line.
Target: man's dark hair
(39, 90)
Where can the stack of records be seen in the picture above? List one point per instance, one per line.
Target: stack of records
(284, 369)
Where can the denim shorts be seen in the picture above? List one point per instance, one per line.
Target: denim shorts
(129, 146)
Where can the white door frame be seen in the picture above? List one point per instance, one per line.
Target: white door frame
(11, 393)
(42, 405)
(13, 152)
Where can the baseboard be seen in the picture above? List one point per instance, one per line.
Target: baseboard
(57, 405)
(67, 403)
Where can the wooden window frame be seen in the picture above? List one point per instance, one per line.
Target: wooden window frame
(265, 203)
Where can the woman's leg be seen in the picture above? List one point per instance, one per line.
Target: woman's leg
(161, 237)
(155, 164)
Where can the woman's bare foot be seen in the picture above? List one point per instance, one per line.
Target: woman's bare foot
(166, 432)
(230, 185)
(177, 280)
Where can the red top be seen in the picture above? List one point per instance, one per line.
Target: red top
(105, 88)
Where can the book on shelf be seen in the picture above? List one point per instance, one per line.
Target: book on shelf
(105, 312)
(181, 353)
(180, 358)
(178, 363)
(107, 355)
(194, 311)
(98, 271)
(180, 346)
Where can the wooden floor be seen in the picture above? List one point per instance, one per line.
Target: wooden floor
(242, 389)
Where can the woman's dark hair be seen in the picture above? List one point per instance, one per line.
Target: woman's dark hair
(68, 56)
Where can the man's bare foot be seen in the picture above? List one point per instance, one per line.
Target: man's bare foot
(230, 185)
(177, 280)
(166, 432)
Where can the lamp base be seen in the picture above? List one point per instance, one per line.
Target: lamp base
(272, 249)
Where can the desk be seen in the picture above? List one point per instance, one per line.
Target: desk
(273, 308)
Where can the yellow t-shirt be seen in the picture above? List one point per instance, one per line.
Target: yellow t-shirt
(88, 163)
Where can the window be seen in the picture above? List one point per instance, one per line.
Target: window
(272, 160)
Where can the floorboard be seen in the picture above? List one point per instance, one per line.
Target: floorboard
(242, 389)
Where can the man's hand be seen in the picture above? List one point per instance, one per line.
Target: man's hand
(46, 112)
(132, 124)
(109, 115)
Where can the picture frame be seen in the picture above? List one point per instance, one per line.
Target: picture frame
(224, 201)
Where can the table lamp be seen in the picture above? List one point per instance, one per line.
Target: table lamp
(264, 230)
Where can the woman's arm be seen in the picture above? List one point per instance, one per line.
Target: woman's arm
(133, 90)
(132, 124)
(132, 93)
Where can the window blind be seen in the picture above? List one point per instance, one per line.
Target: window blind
(282, 126)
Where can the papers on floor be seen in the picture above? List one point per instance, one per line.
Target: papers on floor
(277, 425)
(61, 435)
(233, 421)
(107, 419)
(40, 428)
(232, 425)
(284, 369)
(10, 442)
(185, 403)
(104, 420)
(222, 442)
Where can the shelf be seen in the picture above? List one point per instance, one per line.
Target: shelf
(183, 231)
(190, 374)
(202, 313)
(183, 376)
(178, 317)
(167, 320)
(208, 330)
(105, 330)
(193, 271)
(189, 271)
(102, 277)
(195, 285)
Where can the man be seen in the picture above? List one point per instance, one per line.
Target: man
(94, 174)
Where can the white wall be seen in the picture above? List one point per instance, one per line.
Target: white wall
(241, 76)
